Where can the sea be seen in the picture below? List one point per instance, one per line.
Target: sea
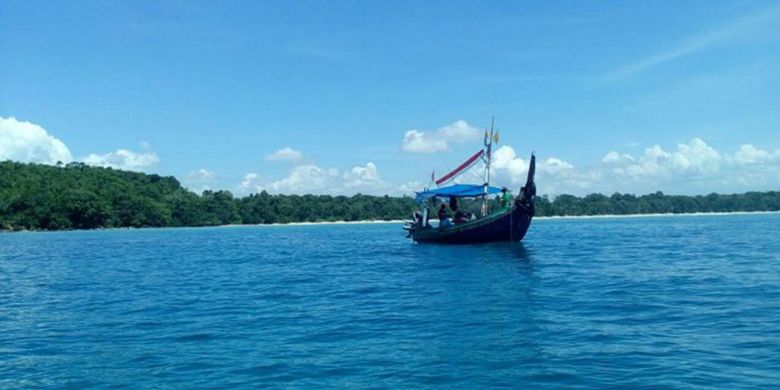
(653, 302)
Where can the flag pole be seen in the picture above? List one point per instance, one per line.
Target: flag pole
(489, 146)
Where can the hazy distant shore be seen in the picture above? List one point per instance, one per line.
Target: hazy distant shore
(319, 223)
(398, 221)
(704, 214)
(604, 216)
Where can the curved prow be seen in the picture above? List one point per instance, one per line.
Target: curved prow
(529, 190)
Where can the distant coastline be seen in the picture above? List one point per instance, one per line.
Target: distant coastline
(556, 217)
(400, 221)
(650, 215)
(545, 218)
(36, 197)
(365, 222)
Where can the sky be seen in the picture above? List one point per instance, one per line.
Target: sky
(341, 97)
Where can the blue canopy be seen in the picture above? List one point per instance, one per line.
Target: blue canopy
(456, 191)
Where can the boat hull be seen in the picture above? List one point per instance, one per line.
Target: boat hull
(510, 225)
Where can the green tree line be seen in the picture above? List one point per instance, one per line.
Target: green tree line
(77, 196)
(656, 203)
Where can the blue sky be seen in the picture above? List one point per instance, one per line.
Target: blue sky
(682, 97)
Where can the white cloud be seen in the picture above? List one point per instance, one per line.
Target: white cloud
(553, 175)
(410, 187)
(287, 154)
(506, 162)
(201, 180)
(312, 179)
(251, 184)
(366, 177)
(617, 158)
(28, 142)
(749, 154)
(696, 157)
(555, 166)
(417, 141)
(693, 167)
(122, 159)
(307, 178)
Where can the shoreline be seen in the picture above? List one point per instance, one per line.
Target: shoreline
(366, 222)
(661, 215)
(245, 225)
(553, 217)
(400, 221)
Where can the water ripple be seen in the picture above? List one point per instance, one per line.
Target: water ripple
(647, 302)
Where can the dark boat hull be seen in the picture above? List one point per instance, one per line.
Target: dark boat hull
(510, 225)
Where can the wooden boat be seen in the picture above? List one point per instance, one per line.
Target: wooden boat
(507, 223)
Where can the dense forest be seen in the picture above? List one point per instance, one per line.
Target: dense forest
(78, 196)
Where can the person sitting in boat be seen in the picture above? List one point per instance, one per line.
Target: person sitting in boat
(444, 219)
(506, 198)
(421, 218)
(459, 217)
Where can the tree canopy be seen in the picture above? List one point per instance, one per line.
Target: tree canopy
(78, 196)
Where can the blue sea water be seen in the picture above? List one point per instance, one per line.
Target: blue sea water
(671, 302)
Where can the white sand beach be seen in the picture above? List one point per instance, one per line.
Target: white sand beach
(551, 218)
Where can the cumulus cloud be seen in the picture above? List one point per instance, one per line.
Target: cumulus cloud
(555, 166)
(695, 157)
(410, 187)
(27, 142)
(287, 155)
(310, 178)
(749, 154)
(687, 168)
(363, 177)
(617, 158)
(417, 141)
(692, 167)
(201, 180)
(306, 178)
(553, 175)
(251, 183)
(122, 159)
(505, 159)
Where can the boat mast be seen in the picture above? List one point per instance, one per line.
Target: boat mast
(488, 146)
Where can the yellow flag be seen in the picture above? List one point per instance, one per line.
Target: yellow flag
(495, 137)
